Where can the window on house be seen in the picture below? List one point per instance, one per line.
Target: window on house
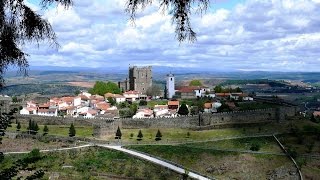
(171, 79)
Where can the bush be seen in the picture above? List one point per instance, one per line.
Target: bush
(158, 135)
(140, 136)
(143, 103)
(255, 146)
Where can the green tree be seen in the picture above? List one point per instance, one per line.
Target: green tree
(72, 130)
(19, 25)
(102, 88)
(183, 110)
(118, 133)
(158, 136)
(140, 135)
(45, 130)
(195, 82)
(29, 128)
(165, 92)
(14, 99)
(18, 126)
(238, 89)
(36, 128)
(111, 101)
(143, 103)
(218, 89)
(133, 109)
(154, 90)
(77, 92)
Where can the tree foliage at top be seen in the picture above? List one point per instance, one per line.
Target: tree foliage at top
(183, 110)
(154, 90)
(195, 82)
(118, 133)
(20, 24)
(180, 10)
(102, 88)
(72, 130)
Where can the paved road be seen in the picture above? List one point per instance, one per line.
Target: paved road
(155, 160)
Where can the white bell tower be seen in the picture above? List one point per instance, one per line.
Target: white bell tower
(170, 86)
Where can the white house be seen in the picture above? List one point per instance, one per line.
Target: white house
(131, 95)
(117, 97)
(143, 113)
(48, 112)
(28, 111)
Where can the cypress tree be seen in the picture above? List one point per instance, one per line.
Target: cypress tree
(158, 135)
(36, 128)
(72, 131)
(18, 126)
(29, 126)
(118, 133)
(140, 135)
(45, 130)
(183, 110)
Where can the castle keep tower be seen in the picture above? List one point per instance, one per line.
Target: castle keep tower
(140, 78)
(170, 86)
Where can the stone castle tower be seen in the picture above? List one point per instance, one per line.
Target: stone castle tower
(170, 86)
(140, 78)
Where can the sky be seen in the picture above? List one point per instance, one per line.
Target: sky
(246, 35)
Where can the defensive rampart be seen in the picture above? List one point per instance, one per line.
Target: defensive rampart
(105, 127)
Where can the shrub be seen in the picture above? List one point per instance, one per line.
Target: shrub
(158, 135)
(140, 136)
(255, 146)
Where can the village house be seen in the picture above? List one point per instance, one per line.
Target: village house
(48, 112)
(117, 97)
(28, 111)
(143, 113)
(191, 92)
(173, 105)
(132, 96)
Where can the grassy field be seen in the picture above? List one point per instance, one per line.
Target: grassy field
(152, 103)
(267, 144)
(180, 135)
(221, 164)
(27, 144)
(95, 163)
(60, 130)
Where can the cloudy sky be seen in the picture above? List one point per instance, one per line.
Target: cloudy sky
(268, 35)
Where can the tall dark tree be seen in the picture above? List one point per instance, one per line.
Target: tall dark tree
(118, 133)
(183, 110)
(20, 24)
(18, 126)
(140, 135)
(165, 92)
(158, 136)
(45, 130)
(72, 130)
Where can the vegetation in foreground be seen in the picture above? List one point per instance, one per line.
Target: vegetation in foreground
(92, 163)
(222, 164)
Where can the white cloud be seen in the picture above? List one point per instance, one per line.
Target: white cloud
(259, 34)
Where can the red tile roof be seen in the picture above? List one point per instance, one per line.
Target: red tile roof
(207, 105)
(173, 103)
(132, 92)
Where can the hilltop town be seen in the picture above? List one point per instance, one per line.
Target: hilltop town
(256, 121)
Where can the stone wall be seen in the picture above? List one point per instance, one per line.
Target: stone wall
(107, 127)
(61, 120)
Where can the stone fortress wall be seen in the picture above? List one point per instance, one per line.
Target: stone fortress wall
(104, 127)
